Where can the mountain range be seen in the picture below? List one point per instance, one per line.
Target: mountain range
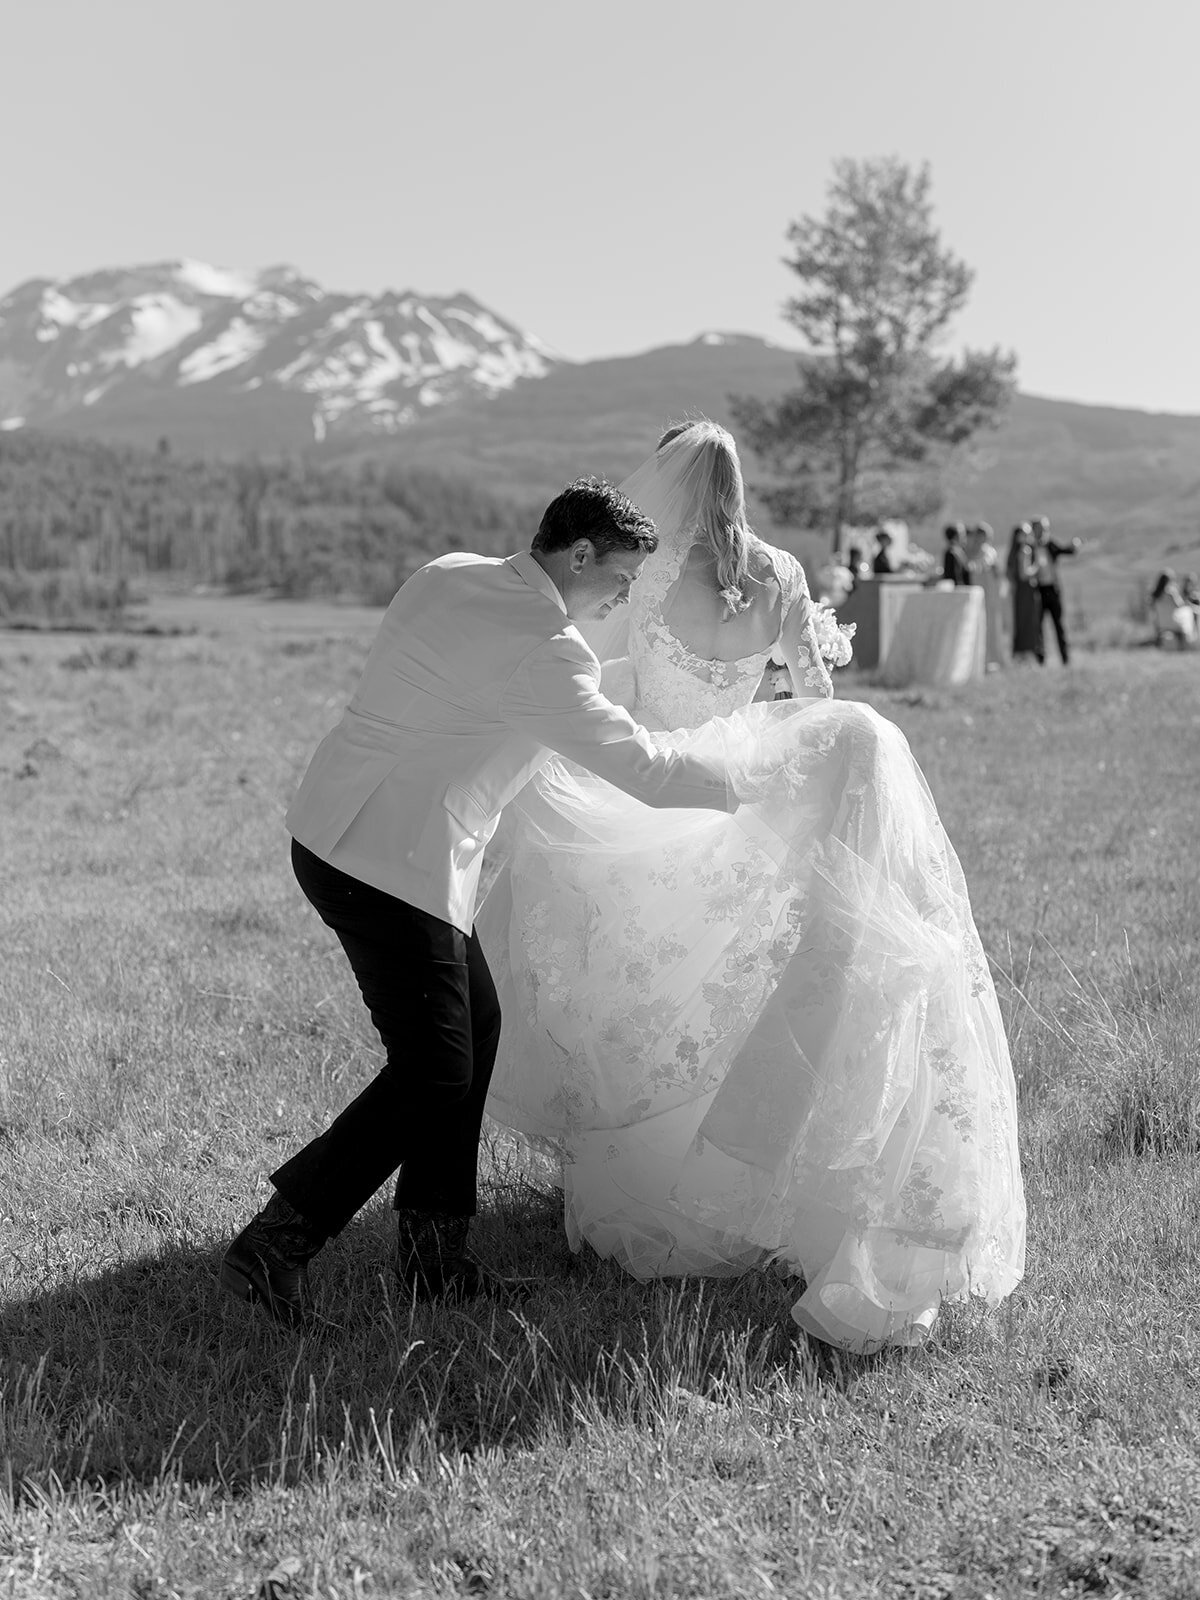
(279, 360)
(222, 363)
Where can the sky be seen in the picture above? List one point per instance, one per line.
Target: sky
(614, 176)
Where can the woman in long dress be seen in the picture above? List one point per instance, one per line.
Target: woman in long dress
(1022, 571)
(771, 1035)
(1173, 616)
(983, 564)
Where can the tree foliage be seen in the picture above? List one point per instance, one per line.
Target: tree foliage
(867, 432)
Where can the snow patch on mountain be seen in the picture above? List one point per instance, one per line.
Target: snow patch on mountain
(216, 281)
(59, 311)
(714, 337)
(231, 348)
(159, 322)
(489, 328)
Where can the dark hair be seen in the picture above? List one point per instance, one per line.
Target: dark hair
(673, 432)
(1164, 580)
(956, 530)
(594, 510)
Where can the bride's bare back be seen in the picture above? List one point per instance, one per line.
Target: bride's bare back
(696, 613)
(680, 655)
(689, 663)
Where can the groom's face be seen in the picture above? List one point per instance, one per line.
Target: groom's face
(598, 583)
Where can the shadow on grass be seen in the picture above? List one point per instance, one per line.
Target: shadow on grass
(147, 1368)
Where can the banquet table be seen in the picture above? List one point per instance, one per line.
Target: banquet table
(939, 638)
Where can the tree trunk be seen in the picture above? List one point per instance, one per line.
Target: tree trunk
(847, 481)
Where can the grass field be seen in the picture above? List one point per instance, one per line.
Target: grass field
(175, 1020)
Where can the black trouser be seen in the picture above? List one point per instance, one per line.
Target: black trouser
(1052, 608)
(433, 1002)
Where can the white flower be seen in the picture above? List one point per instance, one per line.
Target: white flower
(834, 582)
(918, 561)
(833, 637)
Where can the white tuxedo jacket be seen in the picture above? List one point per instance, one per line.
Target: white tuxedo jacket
(475, 676)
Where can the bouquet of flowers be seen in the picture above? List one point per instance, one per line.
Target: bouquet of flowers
(833, 636)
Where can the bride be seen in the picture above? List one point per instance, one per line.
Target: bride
(771, 1035)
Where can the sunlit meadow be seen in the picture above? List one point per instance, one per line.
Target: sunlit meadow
(176, 1019)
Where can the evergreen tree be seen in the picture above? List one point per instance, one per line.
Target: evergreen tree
(868, 430)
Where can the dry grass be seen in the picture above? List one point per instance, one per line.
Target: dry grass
(175, 1019)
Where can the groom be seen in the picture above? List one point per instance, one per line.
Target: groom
(477, 674)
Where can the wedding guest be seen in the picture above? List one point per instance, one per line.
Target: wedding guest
(983, 567)
(1191, 595)
(778, 684)
(882, 563)
(1046, 555)
(954, 557)
(1174, 618)
(1022, 572)
(858, 564)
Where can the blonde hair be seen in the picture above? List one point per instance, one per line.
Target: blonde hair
(718, 503)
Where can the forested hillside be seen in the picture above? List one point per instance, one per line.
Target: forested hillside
(97, 516)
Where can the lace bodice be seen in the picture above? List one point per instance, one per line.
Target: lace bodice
(677, 689)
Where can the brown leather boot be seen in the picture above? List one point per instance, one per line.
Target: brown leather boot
(432, 1260)
(267, 1263)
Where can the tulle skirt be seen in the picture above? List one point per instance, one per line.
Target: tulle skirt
(766, 1035)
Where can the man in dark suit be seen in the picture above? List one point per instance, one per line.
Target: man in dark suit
(1046, 554)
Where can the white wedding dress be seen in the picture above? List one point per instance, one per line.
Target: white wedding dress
(766, 1035)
